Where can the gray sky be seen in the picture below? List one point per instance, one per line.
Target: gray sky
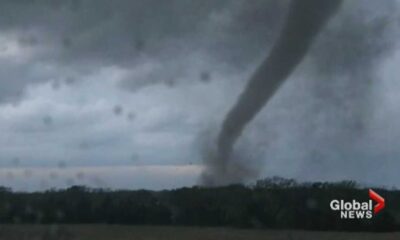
(125, 94)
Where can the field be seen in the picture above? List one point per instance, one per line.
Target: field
(114, 232)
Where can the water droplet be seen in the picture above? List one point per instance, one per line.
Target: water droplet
(205, 76)
(16, 162)
(67, 42)
(170, 83)
(80, 175)
(117, 110)
(139, 44)
(55, 85)
(28, 173)
(48, 120)
(53, 175)
(62, 164)
(131, 116)
(69, 80)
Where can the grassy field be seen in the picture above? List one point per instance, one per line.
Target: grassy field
(108, 232)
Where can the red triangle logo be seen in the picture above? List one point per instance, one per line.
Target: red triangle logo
(377, 198)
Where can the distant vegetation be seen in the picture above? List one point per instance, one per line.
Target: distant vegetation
(272, 203)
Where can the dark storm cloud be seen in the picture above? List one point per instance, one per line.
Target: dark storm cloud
(103, 31)
(183, 64)
(81, 36)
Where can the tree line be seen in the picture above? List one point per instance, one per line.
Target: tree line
(273, 203)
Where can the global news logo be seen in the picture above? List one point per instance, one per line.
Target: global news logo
(359, 210)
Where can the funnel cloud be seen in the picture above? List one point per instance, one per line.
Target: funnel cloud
(304, 21)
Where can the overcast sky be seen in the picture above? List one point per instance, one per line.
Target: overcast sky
(124, 94)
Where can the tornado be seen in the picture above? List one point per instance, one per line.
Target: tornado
(304, 21)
